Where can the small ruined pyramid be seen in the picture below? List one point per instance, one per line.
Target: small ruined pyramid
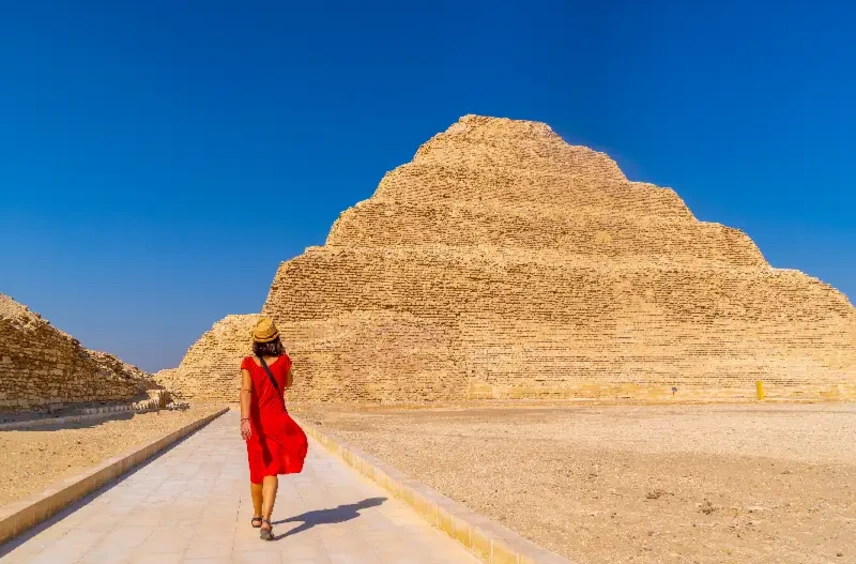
(43, 367)
(504, 263)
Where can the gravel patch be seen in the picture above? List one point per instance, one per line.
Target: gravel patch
(703, 484)
(33, 459)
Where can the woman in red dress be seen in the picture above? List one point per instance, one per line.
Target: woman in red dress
(275, 443)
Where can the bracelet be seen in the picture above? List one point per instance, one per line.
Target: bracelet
(245, 418)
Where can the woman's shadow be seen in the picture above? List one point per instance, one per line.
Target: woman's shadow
(329, 516)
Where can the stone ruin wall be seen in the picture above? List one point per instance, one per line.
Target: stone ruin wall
(504, 263)
(43, 367)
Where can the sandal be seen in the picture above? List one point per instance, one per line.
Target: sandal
(256, 522)
(266, 534)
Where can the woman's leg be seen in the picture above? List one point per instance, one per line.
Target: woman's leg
(256, 462)
(256, 493)
(269, 488)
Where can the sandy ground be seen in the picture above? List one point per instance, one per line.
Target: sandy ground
(33, 459)
(694, 484)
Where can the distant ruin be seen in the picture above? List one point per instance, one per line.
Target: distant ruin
(504, 263)
(208, 370)
(42, 367)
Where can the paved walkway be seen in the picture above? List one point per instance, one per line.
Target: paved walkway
(192, 505)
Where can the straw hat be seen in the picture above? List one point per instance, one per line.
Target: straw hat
(265, 331)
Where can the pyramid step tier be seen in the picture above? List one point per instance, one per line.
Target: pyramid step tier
(360, 356)
(384, 223)
(460, 181)
(490, 143)
(473, 357)
(439, 283)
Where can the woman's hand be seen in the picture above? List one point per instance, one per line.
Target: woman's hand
(246, 430)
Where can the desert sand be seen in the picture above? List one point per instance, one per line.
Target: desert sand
(704, 484)
(33, 459)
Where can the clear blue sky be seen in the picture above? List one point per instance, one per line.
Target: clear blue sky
(159, 159)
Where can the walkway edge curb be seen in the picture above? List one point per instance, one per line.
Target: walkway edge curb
(489, 541)
(19, 516)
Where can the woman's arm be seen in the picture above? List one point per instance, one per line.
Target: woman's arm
(246, 394)
(289, 378)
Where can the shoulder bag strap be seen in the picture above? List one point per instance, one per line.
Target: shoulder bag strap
(269, 373)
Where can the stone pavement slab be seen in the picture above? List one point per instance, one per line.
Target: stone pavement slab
(192, 505)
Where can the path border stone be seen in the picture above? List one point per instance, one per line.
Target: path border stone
(487, 540)
(19, 516)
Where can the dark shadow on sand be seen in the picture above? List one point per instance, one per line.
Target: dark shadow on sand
(328, 516)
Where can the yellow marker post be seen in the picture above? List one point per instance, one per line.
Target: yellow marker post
(759, 389)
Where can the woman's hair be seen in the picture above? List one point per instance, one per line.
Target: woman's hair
(273, 348)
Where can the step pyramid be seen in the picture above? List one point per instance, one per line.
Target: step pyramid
(502, 262)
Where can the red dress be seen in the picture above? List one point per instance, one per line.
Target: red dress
(277, 444)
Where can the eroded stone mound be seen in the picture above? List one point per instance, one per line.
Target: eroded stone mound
(41, 366)
(504, 263)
